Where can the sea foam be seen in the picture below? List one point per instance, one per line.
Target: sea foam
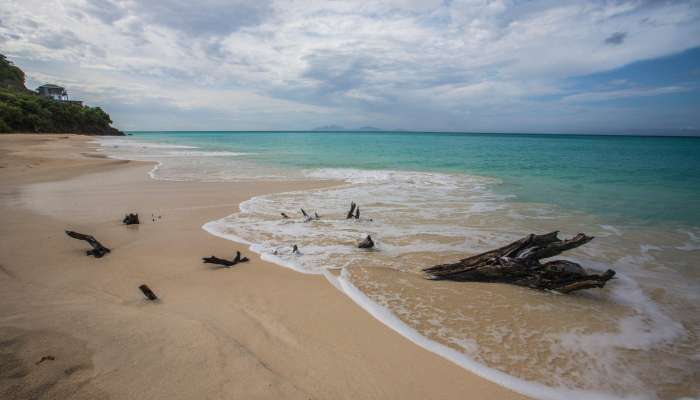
(412, 215)
(527, 388)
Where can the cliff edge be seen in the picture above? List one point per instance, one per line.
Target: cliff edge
(25, 111)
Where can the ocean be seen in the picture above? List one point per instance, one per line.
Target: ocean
(430, 198)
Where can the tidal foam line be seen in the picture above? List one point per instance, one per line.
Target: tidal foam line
(527, 388)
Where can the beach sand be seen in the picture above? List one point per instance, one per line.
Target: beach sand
(253, 331)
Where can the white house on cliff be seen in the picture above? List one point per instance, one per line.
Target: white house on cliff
(53, 91)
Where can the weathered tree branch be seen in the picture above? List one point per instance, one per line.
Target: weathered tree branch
(224, 262)
(98, 250)
(519, 264)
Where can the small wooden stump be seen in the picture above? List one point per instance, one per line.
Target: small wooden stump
(352, 210)
(368, 243)
(131, 219)
(148, 293)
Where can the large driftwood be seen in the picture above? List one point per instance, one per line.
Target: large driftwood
(98, 250)
(519, 264)
(224, 262)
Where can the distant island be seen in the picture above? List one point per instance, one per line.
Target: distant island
(338, 128)
(46, 110)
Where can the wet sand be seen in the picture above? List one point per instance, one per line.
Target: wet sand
(252, 331)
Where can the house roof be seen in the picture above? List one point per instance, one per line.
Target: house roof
(50, 86)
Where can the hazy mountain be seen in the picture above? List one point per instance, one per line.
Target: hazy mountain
(338, 128)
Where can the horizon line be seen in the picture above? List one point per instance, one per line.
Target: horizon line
(695, 132)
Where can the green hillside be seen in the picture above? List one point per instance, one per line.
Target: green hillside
(22, 110)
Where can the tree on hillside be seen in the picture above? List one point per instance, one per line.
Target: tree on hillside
(11, 77)
(22, 110)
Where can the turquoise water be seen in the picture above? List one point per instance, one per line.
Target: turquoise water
(637, 180)
(431, 198)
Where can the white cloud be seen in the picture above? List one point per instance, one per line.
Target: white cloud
(378, 62)
(624, 93)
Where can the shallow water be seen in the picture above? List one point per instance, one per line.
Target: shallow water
(637, 338)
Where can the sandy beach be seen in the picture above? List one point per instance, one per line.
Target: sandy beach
(249, 332)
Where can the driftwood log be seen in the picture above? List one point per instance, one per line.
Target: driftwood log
(148, 293)
(98, 250)
(519, 264)
(224, 262)
(131, 219)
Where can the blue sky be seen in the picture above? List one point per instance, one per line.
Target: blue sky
(456, 65)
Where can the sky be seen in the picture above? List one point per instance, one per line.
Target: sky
(440, 65)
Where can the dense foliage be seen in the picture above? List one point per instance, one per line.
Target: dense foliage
(22, 110)
(11, 77)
